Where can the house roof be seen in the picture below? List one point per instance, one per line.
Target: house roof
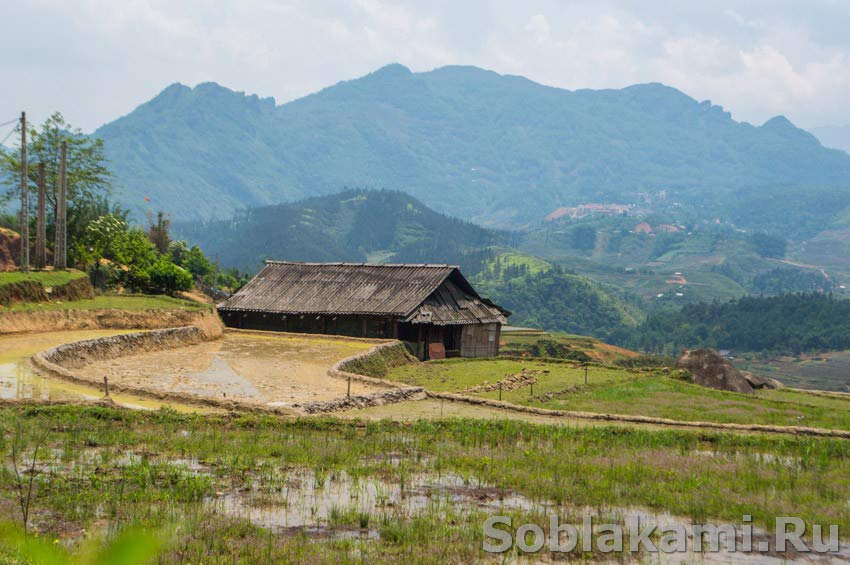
(418, 293)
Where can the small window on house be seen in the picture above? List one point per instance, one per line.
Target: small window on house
(491, 337)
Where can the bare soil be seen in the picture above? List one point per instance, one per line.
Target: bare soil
(269, 371)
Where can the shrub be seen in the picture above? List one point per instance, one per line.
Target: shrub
(168, 278)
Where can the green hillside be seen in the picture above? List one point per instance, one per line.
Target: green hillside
(355, 225)
(387, 226)
(471, 143)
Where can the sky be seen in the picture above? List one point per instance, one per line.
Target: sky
(96, 60)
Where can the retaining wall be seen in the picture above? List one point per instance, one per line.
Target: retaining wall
(80, 353)
(628, 418)
(58, 320)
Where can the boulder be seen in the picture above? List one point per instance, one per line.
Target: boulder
(10, 249)
(760, 381)
(709, 369)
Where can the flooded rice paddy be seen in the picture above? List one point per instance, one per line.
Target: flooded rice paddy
(20, 380)
(361, 503)
(267, 370)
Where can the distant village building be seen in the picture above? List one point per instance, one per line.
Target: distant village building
(431, 307)
(642, 227)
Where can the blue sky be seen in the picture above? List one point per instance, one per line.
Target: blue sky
(95, 60)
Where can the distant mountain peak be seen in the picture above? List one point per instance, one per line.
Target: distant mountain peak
(467, 141)
(779, 122)
(392, 70)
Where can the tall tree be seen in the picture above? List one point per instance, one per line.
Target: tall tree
(89, 178)
(158, 231)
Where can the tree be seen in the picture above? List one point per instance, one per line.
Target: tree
(177, 251)
(768, 245)
(584, 237)
(88, 176)
(197, 263)
(166, 277)
(89, 179)
(158, 231)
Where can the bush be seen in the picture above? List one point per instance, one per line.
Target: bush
(168, 278)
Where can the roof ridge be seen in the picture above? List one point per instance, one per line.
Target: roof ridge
(348, 264)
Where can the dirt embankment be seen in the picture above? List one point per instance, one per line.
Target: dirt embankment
(34, 291)
(56, 320)
(58, 361)
(79, 353)
(651, 420)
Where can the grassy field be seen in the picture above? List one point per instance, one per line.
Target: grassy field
(556, 344)
(619, 391)
(214, 488)
(827, 371)
(113, 301)
(45, 278)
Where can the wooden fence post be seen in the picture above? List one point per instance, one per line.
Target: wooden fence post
(106, 386)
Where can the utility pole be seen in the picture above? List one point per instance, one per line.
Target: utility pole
(60, 258)
(25, 202)
(41, 228)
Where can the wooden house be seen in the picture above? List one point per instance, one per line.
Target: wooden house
(431, 307)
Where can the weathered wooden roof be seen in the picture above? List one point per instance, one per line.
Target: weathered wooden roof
(419, 293)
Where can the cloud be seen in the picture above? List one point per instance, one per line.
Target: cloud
(97, 59)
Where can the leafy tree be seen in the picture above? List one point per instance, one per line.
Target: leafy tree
(197, 263)
(87, 173)
(89, 179)
(177, 251)
(87, 220)
(166, 277)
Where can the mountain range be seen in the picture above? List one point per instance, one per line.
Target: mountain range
(499, 150)
(837, 137)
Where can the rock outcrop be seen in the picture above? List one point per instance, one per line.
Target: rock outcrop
(709, 369)
(10, 249)
(760, 381)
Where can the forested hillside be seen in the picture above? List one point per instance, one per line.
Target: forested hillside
(355, 225)
(472, 143)
(790, 323)
(387, 226)
(552, 298)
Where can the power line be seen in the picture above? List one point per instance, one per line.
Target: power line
(9, 122)
(8, 135)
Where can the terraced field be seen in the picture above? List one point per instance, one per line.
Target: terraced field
(614, 390)
(828, 371)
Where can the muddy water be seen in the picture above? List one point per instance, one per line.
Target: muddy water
(308, 500)
(267, 370)
(308, 503)
(19, 379)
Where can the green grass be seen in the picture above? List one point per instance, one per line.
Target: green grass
(828, 371)
(620, 391)
(452, 375)
(45, 278)
(665, 397)
(90, 484)
(115, 302)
